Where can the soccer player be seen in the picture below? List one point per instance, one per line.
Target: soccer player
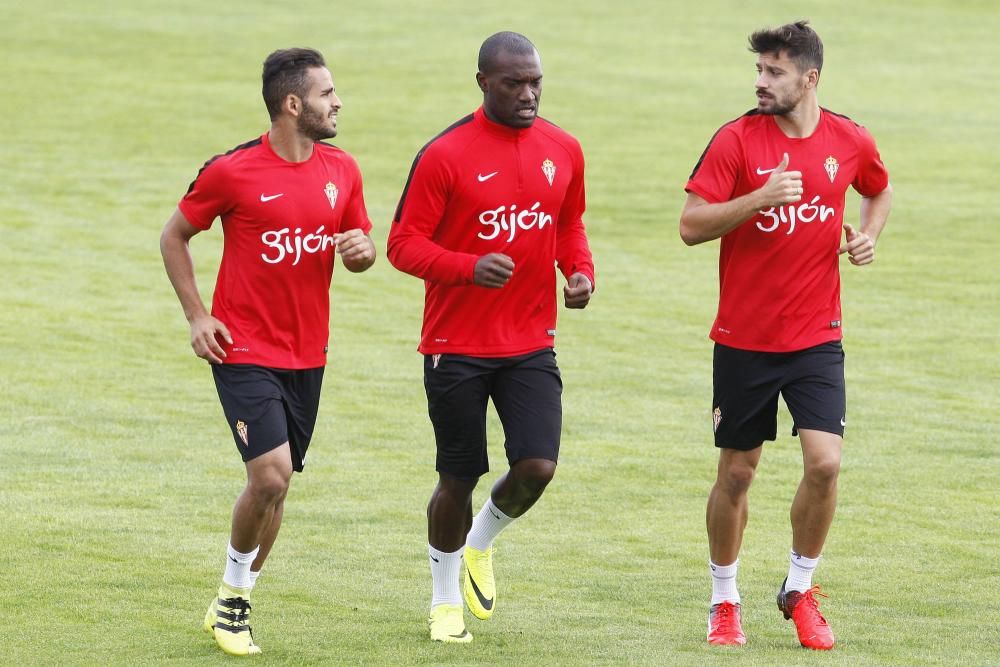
(491, 205)
(771, 185)
(289, 203)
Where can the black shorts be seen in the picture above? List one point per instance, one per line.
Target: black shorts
(526, 391)
(267, 407)
(747, 384)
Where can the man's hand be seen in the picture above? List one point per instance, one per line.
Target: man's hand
(493, 270)
(782, 187)
(859, 247)
(577, 291)
(206, 346)
(356, 250)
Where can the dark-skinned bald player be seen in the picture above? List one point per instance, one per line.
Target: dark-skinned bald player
(492, 206)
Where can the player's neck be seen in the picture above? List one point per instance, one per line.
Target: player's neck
(289, 144)
(801, 121)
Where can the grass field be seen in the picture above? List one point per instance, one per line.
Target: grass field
(117, 473)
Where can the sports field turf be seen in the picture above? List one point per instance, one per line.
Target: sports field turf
(117, 473)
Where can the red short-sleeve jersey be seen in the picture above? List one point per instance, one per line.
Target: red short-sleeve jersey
(779, 277)
(278, 222)
(481, 187)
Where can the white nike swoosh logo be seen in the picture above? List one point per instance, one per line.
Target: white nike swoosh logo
(487, 176)
(761, 172)
(269, 198)
(843, 422)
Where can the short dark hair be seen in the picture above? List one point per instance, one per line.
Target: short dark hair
(798, 40)
(511, 42)
(285, 74)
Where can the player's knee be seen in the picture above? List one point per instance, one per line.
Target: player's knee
(269, 486)
(736, 479)
(535, 474)
(455, 487)
(823, 472)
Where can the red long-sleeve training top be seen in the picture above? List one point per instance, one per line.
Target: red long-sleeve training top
(481, 187)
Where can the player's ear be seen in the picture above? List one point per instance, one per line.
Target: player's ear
(292, 104)
(481, 81)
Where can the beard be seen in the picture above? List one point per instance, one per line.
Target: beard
(778, 110)
(779, 107)
(315, 125)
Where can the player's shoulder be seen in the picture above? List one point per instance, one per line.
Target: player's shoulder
(737, 131)
(452, 138)
(845, 124)
(557, 135)
(235, 155)
(219, 167)
(744, 124)
(849, 131)
(332, 152)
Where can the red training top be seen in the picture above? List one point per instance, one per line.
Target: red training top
(278, 221)
(481, 187)
(779, 271)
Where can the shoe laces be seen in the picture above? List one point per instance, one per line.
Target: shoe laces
(725, 614)
(812, 604)
(242, 608)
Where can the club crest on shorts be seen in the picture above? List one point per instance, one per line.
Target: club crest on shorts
(831, 165)
(549, 169)
(331, 193)
(241, 429)
(716, 419)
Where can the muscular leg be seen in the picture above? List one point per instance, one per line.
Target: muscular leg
(268, 535)
(727, 511)
(258, 510)
(816, 498)
(449, 512)
(522, 486)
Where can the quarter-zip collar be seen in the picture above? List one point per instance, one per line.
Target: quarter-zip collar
(498, 129)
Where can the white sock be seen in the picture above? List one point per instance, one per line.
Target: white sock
(724, 582)
(237, 574)
(445, 570)
(253, 578)
(489, 523)
(800, 572)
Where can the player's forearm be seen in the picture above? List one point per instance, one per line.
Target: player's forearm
(708, 222)
(421, 257)
(573, 252)
(875, 213)
(180, 270)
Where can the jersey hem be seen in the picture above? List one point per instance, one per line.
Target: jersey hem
(303, 365)
(490, 353)
(797, 347)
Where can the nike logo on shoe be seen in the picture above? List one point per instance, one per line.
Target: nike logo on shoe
(483, 179)
(487, 604)
(264, 197)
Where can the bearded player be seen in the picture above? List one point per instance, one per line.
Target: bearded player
(771, 184)
(289, 204)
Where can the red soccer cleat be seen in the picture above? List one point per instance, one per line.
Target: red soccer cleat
(724, 628)
(813, 630)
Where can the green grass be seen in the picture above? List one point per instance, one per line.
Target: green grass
(117, 473)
